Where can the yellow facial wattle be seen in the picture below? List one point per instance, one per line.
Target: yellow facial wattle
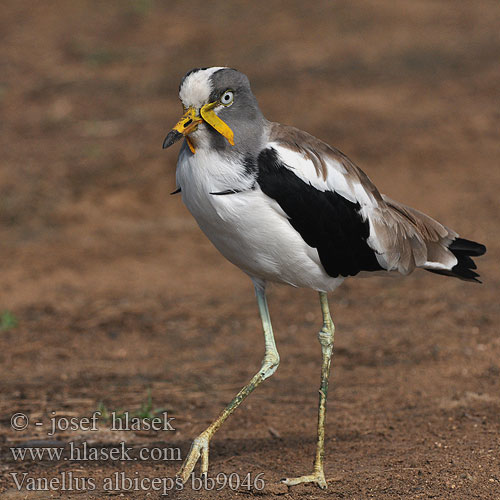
(208, 114)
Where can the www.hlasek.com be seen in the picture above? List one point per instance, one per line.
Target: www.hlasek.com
(115, 481)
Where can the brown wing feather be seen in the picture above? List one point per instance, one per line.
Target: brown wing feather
(412, 239)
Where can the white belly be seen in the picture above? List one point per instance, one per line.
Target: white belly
(248, 228)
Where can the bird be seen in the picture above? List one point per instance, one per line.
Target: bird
(286, 207)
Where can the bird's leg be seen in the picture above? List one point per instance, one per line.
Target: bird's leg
(269, 365)
(326, 340)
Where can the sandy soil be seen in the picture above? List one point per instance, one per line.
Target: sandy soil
(118, 296)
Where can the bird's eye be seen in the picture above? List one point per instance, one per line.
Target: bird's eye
(227, 98)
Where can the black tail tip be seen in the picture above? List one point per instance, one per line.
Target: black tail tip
(467, 247)
(463, 250)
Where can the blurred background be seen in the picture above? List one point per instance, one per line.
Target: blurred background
(110, 296)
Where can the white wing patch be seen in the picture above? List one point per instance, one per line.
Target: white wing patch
(338, 179)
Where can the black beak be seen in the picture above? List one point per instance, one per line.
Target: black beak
(172, 137)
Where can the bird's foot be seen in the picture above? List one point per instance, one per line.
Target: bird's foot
(317, 477)
(198, 448)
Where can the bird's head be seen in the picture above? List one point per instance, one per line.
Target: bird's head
(220, 111)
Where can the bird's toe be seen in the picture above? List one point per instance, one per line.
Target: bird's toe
(199, 448)
(317, 477)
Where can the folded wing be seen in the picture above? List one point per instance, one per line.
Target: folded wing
(337, 209)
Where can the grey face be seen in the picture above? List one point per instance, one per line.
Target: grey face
(242, 115)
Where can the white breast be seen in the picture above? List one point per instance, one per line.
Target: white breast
(248, 228)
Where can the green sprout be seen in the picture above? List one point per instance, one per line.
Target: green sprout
(7, 321)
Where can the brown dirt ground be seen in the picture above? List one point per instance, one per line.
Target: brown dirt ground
(118, 293)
